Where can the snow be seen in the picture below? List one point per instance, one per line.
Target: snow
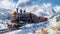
(27, 29)
(51, 31)
(2, 26)
(13, 32)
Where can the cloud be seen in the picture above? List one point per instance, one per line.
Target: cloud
(7, 4)
(21, 2)
(56, 8)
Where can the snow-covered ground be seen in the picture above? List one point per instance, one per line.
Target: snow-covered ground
(29, 28)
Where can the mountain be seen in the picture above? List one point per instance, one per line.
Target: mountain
(4, 13)
(41, 11)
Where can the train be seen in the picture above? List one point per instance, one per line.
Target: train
(30, 17)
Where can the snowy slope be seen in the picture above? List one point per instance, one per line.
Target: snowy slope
(27, 29)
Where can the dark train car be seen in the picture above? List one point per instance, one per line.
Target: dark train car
(28, 17)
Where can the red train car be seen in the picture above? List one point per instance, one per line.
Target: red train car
(42, 18)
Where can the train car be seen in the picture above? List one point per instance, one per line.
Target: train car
(41, 19)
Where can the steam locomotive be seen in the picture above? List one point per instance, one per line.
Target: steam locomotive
(30, 17)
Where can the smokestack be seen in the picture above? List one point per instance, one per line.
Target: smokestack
(24, 11)
(21, 11)
(17, 10)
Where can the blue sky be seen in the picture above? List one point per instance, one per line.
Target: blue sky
(14, 1)
(40, 2)
(54, 2)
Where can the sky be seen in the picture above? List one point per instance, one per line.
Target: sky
(23, 3)
(32, 5)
